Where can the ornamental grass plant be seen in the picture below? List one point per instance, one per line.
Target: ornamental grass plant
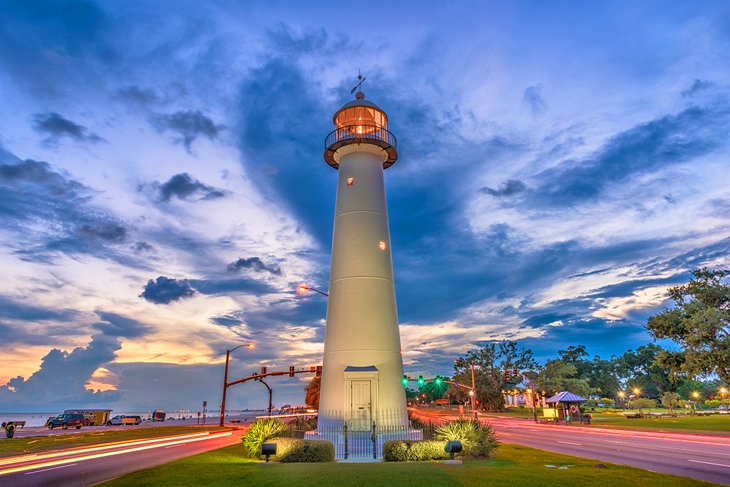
(478, 440)
(260, 432)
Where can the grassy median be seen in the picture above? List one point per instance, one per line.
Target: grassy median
(512, 465)
(713, 425)
(36, 444)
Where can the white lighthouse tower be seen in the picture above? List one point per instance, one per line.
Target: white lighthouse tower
(362, 368)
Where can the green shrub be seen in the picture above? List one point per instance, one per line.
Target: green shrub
(476, 439)
(260, 432)
(294, 450)
(414, 451)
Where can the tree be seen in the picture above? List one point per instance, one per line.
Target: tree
(670, 400)
(699, 323)
(642, 369)
(490, 363)
(311, 393)
(557, 376)
(602, 376)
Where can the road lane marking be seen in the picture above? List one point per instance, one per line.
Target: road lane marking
(570, 443)
(87, 449)
(64, 461)
(48, 469)
(710, 463)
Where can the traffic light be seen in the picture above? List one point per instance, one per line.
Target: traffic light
(420, 380)
(404, 381)
(319, 371)
(263, 370)
(291, 371)
(437, 380)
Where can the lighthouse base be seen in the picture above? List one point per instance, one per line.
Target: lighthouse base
(362, 445)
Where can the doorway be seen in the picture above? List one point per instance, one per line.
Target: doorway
(361, 405)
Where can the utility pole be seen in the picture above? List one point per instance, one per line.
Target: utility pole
(473, 390)
(225, 388)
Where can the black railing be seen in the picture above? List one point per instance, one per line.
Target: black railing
(360, 132)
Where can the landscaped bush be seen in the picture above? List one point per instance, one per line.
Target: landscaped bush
(294, 450)
(260, 432)
(477, 440)
(414, 451)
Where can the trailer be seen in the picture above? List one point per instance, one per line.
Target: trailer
(93, 417)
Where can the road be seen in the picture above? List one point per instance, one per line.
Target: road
(83, 466)
(697, 456)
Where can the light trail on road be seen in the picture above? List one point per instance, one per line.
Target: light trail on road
(86, 449)
(703, 457)
(129, 449)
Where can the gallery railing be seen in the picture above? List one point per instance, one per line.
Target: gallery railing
(360, 132)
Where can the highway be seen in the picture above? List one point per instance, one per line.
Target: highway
(701, 457)
(88, 465)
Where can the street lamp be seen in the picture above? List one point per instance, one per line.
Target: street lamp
(225, 378)
(303, 288)
(622, 395)
(695, 396)
(637, 391)
(723, 391)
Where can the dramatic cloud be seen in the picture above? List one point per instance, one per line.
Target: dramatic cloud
(508, 188)
(697, 86)
(57, 127)
(533, 98)
(188, 125)
(116, 325)
(53, 212)
(165, 290)
(255, 264)
(183, 186)
(660, 143)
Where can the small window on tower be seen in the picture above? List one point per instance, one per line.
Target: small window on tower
(381, 245)
(350, 181)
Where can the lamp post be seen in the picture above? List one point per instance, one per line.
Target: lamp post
(225, 379)
(695, 396)
(303, 288)
(723, 391)
(622, 395)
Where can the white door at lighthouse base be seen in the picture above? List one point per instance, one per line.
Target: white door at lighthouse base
(361, 406)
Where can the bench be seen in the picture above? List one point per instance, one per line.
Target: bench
(17, 424)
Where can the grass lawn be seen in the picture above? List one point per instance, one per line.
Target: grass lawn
(513, 465)
(35, 444)
(712, 425)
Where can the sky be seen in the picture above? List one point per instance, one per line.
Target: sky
(163, 190)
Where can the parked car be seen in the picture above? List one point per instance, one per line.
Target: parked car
(67, 420)
(122, 419)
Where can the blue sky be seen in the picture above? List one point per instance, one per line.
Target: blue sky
(162, 188)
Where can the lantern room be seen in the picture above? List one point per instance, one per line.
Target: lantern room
(360, 125)
(360, 117)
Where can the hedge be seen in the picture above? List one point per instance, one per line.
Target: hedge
(414, 451)
(294, 450)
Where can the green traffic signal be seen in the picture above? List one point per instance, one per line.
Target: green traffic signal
(405, 381)
(420, 380)
(437, 380)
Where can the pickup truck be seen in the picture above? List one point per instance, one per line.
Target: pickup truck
(66, 420)
(122, 419)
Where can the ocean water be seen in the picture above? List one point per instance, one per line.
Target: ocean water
(39, 419)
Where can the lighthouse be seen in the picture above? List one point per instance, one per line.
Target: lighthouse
(362, 366)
